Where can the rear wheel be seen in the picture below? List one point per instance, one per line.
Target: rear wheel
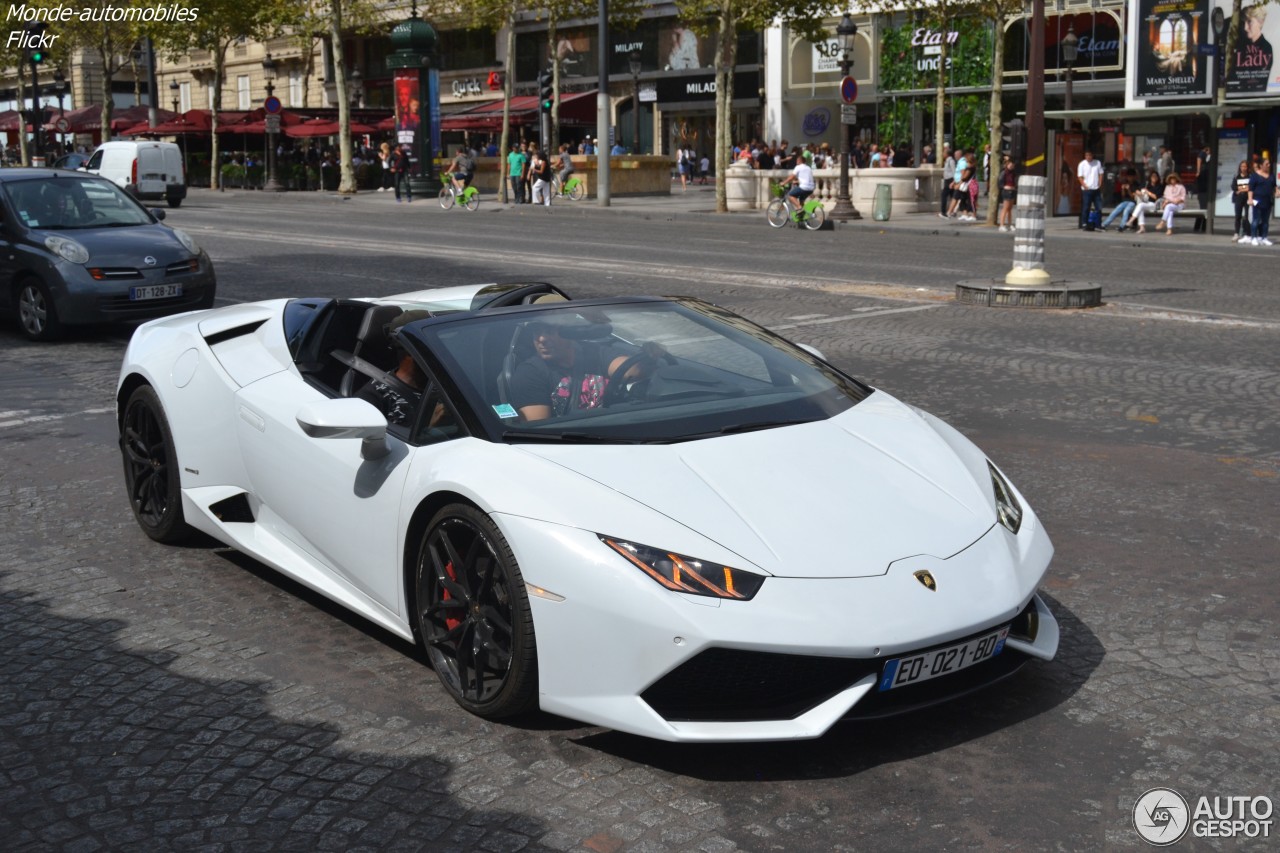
(472, 614)
(151, 468)
(37, 315)
(446, 198)
(471, 198)
(816, 217)
(575, 190)
(174, 201)
(778, 213)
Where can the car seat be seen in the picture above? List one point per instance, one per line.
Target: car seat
(373, 346)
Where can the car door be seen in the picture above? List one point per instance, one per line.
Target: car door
(342, 510)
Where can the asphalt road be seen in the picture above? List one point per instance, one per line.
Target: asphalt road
(189, 698)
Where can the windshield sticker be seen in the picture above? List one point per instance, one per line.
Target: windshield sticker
(505, 410)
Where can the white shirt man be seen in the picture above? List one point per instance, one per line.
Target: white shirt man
(1090, 174)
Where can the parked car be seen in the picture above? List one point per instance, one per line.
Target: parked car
(71, 162)
(151, 171)
(76, 249)
(647, 514)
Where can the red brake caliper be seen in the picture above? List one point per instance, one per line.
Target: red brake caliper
(449, 621)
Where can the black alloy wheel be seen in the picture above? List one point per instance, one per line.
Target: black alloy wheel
(151, 468)
(472, 614)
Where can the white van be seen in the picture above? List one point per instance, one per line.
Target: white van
(148, 170)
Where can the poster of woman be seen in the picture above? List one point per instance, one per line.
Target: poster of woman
(408, 104)
(1253, 72)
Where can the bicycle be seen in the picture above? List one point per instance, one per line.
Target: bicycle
(572, 189)
(811, 214)
(469, 197)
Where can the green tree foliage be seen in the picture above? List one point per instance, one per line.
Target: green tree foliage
(725, 20)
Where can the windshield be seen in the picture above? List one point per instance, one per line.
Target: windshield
(63, 204)
(653, 371)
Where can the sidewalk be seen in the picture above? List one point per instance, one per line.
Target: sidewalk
(698, 202)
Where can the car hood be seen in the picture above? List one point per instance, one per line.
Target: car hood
(122, 247)
(843, 497)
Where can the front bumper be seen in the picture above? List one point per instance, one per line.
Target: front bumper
(618, 650)
(80, 299)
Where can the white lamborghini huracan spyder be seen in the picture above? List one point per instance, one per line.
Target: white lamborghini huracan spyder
(647, 514)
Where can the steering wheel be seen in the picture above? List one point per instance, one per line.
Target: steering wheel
(619, 388)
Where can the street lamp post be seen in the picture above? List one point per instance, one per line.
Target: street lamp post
(846, 35)
(355, 88)
(1070, 51)
(174, 90)
(269, 73)
(634, 60)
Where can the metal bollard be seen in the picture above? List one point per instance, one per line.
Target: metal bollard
(1028, 233)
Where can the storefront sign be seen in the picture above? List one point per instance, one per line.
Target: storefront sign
(1099, 46)
(817, 121)
(1169, 34)
(693, 88)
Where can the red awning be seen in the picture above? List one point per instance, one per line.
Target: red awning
(324, 127)
(192, 121)
(576, 108)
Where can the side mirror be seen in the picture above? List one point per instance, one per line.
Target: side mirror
(157, 212)
(814, 351)
(347, 418)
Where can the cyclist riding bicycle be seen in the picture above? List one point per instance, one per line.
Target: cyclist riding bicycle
(566, 164)
(462, 169)
(802, 177)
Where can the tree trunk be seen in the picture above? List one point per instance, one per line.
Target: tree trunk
(347, 181)
(726, 59)
(940, 96)
(553, 126)
(106, 56)
(215, 101)
(995, 120)
(1228, 59)
(504, 149)
(24, 153)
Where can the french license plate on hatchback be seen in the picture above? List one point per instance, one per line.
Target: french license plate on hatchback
(902, 672)
(154, 291)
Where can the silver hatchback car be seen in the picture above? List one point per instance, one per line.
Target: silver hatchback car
(76, 249)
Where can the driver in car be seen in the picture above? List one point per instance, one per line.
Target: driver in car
(563, 375)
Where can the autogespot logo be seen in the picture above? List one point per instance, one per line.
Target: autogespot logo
(1160, 816)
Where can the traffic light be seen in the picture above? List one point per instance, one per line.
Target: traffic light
(546, 95)
(1013, 140)
(35, 36)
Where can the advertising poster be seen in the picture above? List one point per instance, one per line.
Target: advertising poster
(408, 104)
(1170, 34)
(1069, 151)
(680, 49)
(1254, 73)
(1233, 146)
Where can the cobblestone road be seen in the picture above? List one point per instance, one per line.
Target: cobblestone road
(188, 698)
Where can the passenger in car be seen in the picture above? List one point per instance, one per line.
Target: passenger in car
(397, 393)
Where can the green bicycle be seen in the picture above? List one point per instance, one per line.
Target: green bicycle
(468, 198)
(572, 189)
(811, 214)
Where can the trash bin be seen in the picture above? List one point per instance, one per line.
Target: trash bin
(882, 203)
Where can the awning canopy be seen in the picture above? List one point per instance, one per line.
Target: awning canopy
(1211, 110)
(576, 108)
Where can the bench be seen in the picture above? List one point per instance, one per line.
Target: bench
(1199, 214)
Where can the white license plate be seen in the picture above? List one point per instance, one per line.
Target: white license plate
(154, 291)
(901, 672)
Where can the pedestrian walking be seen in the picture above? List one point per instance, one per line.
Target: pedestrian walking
(1203, 158)
(1240, 198)
(1089, 173)
(515, 173)
(385, 158)
(540, 174)
(1262, 195)
(401, 167)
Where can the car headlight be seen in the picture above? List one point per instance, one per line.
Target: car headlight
(688, 574)
(67, 249)
(185, 239)
(1008, 510)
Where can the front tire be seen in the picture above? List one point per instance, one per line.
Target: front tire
(472, 614)
(816, 219)
(151, 471)
(37, 316)
(778, 213)
(446, 198)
